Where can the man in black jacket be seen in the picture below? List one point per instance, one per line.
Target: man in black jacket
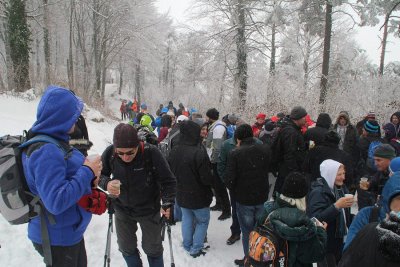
(140, 176)
(289, 149)
(246, 175)
(192, 167)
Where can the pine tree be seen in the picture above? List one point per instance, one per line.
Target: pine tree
(19, 39)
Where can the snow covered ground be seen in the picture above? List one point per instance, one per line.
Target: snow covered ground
(17, 115)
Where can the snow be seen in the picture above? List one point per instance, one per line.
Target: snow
(16, 115)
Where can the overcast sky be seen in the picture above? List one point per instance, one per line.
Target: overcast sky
(367, 37)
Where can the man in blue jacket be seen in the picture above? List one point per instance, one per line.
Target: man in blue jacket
(390, 190)
(59, 180)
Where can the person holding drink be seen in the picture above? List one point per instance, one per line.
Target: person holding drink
(329, 201)
(141, 177)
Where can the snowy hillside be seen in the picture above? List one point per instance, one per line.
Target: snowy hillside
(17, 115)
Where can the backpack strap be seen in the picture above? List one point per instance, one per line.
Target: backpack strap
(170, 139)
(149, 168)
(374, 215)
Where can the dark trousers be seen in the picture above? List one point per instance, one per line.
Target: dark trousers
(221, 194)
(71, 256)
(235, 227)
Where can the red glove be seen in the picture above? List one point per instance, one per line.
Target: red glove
(96, 202)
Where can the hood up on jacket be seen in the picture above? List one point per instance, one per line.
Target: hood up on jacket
(329, 169)
(397, 114)
(391, 189)
(189, 133)
(58, 110)
(324, 121)
(345, 115)
(389, 237)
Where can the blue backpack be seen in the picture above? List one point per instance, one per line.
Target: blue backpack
(371, 150)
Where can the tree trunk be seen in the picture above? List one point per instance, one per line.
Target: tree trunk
(306, 61)
(325, 62)
(96, 41)
(221, 89)
(137, 81)
(241, 55)
(384, 39)
(273, 50)
(70, 61)
(46, 43)
(6, 40)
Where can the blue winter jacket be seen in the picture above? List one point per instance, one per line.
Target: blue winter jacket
(391, 188)
(59, 182)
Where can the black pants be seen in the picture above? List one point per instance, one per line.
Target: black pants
(221, 194)
(71, 256)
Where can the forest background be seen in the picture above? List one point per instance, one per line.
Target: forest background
(242, 56)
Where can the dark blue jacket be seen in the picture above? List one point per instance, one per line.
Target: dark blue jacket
(320, 204)
(58, 181)
(391, 188)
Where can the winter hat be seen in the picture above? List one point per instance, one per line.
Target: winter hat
(199, 121)
(332, 137)
(261, 116)
(143, 106)
(371, 115)
(297, 113)
(280, 115)
(371, 126)
(182, 118)
(269, 126)
(163, 111)
(213, 114)
(125, 136)
(181, 105)
(329, 169)
(233, 118)
(395, 165)
(324, 120)
(385, 151)
(146, 120)
(295, 185)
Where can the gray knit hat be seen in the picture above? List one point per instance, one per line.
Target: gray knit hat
(385, 151)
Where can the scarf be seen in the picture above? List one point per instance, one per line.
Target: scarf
(341, 130)
(299, 203)
(341, 228)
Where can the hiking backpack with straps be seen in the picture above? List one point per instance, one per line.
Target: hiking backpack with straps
(18, 205)
(267, 248)
(165, 145)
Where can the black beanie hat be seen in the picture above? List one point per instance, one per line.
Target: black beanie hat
(213, 114)
(332, 137)
(295, 186)
(125, 136)
(297, 113)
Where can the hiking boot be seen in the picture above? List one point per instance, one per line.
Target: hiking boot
(224, 216)
(201, 252)
(206, 245)
(240, 262)
(216, 208)
(232, 239)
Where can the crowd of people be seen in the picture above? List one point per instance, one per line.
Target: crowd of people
(300, 178)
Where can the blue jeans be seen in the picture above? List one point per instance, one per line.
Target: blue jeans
(193, 237)
(247, 216)
(177, 212)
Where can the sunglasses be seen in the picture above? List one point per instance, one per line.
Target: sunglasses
(129, 153)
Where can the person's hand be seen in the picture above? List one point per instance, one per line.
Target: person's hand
(113, 187)
(324, 225)
(364, 185)
(94, 163)
(344, 202)
(166, 213)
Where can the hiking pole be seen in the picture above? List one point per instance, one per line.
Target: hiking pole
(107, 255)
(166, 224)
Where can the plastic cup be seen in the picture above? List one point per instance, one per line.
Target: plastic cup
(349, 195)
(363, 180)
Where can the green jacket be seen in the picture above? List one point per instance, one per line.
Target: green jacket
(307, 243)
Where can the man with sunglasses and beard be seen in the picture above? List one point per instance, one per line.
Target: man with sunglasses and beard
(137, 175)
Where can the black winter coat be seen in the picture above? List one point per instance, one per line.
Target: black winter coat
(192, 167)
(317, 133)
(320, 204)
(246, 173)
(291, 149)
(320, 153)
(375, 245)
(350, 142)
(141, 185)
